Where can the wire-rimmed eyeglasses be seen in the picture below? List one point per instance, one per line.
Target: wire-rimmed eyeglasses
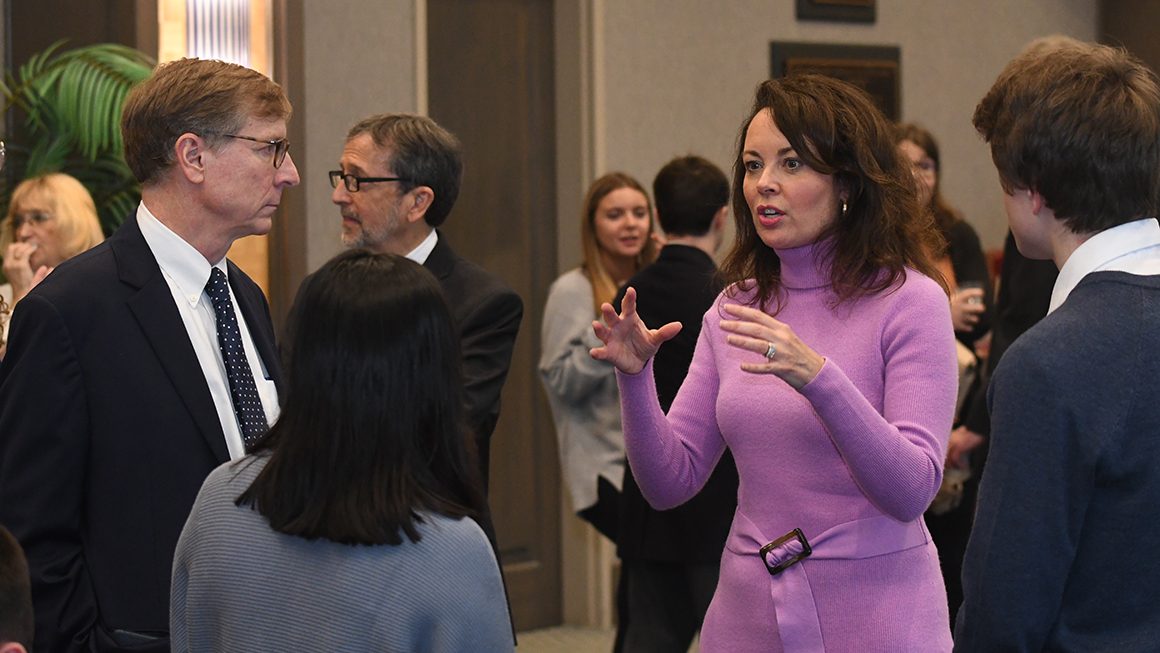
(281, 146)
(352, 182)
(21, 218)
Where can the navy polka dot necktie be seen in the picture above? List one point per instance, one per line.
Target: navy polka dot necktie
(247, 404)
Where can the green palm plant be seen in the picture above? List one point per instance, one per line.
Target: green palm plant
(72, 100)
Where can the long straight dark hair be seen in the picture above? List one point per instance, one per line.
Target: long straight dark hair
(371, 431)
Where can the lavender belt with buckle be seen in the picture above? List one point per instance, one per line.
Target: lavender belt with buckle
(797, 614)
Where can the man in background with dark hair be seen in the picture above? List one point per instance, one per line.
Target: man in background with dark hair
(1061, 554)
(139, 366)
(671, 558)
(399, 179)
(16, 623)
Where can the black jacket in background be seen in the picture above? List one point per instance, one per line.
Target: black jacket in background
(680, 287)
(1024, 294)
(970, 264)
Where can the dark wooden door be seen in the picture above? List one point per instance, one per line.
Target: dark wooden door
(490, 72)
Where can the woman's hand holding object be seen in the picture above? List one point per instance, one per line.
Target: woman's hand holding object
(967, 307)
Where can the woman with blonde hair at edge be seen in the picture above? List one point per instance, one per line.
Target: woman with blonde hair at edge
(51, 218)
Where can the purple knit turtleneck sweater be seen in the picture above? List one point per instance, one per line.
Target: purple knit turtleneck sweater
(866, 437)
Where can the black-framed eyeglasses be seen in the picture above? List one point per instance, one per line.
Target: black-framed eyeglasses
(352, 182)
(281, 147)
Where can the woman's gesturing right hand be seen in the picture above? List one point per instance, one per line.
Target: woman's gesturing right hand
(628, 343)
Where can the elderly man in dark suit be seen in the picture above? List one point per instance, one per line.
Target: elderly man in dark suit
(399, 179)
(138, 367)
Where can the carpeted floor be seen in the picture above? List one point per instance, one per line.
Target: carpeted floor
(570, 639)
(566, 639)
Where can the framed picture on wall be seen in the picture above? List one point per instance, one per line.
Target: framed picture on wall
(845, 11)
(873, 68)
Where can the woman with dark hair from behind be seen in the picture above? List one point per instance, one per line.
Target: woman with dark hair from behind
(827, 368)
(345, 529)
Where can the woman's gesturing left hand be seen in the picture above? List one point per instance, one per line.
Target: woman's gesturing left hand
(755, 331)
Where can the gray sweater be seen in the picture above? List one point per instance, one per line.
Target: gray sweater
(581, 391)
(238, 585)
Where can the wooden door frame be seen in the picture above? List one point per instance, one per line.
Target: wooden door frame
(513, 113)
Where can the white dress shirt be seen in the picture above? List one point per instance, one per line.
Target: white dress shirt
(420, 253)
(1133, 247)
(186, 271)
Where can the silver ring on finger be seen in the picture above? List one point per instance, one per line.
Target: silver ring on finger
(770, 351)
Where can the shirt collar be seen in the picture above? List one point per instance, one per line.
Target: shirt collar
(176, 258)
(420, 253)
(1111, 249)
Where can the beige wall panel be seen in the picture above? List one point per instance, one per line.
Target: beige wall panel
(680, 74)
(360, 60)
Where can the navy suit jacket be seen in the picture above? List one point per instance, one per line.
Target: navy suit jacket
(107, 430)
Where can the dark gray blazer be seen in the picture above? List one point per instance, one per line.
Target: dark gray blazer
(487, 315)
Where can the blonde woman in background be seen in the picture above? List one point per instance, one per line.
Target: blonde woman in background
(51, 219)
(616, 232)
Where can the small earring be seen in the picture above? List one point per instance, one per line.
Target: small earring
(844, 207)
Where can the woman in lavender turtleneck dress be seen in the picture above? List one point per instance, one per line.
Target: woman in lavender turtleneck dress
(828, 368)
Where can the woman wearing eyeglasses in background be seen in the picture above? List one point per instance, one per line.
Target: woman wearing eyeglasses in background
(51, 219)
(970, 303)
(951, 516)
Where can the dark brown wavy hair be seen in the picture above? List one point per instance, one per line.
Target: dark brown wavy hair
(836, 130)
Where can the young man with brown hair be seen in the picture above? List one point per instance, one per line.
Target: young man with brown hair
(1059, 558)
(671, 557)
